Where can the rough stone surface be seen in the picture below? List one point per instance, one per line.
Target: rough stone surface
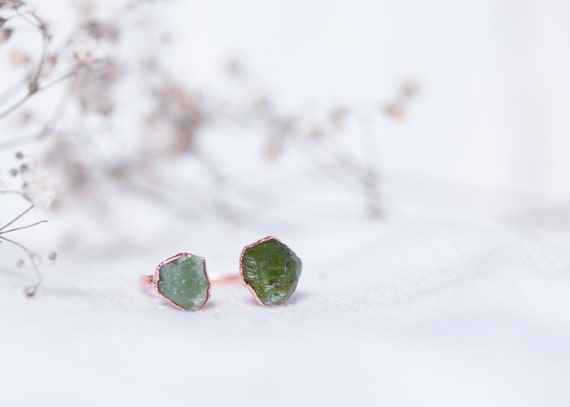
(272, 270)
(184, 282)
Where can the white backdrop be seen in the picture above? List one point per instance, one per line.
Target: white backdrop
(493, 74)
(489, 134)
(459, 296)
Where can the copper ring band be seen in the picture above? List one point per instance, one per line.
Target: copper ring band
(148, 281)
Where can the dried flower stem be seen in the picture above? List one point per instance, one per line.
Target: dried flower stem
(33, 84)
(22, 214)
(30, 291)
(23, 227)
(47, 129)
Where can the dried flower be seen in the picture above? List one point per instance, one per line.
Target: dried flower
(87, 50)
(273, 148)
(48, 66)
(410, 88)
(338, 117)
(11, 3)
(255, 100)
(31, 290)
(40, 187)
(101, 30)
(234, 67)
(396, 110)
(5, 34)
(89, 83)
(177, 114)
(18, 57)
(306, 126)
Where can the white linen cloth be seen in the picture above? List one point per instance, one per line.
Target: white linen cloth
(400, 312)
(459, 296)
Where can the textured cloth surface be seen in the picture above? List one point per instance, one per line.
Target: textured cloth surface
(443, 302)
(409, 312)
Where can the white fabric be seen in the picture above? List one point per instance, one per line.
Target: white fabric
(458, 296)
(405, 312)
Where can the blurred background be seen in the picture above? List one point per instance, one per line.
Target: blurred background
(414, 154)
(483, 133)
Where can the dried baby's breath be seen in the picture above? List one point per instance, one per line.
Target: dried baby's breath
(40, 186)
(81, 152)
(18, 57)
(5, 34)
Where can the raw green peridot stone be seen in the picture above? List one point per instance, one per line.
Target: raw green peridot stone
(184, 282)
(272, 270)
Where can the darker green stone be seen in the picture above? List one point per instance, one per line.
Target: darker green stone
(184, 282)
(272, 270)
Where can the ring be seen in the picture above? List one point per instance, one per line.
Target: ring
(268, 267)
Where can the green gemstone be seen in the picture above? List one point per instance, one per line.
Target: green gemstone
(272, 270)
(183, 281)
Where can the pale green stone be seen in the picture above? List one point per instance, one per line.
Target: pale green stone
(184, 282)
(272, 270)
